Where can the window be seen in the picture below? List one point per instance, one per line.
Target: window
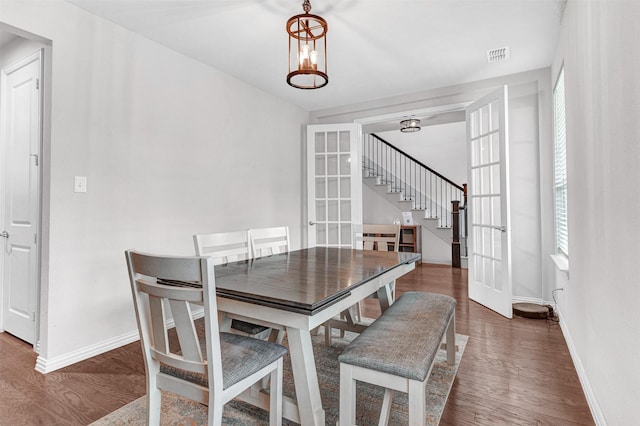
(560, 166)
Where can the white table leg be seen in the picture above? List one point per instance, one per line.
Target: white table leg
(224, 322)
(305, 377)
(385, 298)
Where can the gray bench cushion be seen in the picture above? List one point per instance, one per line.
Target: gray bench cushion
(241, 357)
(404, 340)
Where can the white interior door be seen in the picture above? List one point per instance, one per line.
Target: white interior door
(488, 220)
(20, 139)
(334, 183)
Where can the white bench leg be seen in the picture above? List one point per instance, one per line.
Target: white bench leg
(417, 403)
(275, 396)
(451, 341)
(347, 396)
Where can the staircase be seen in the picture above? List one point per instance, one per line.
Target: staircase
(411, 186)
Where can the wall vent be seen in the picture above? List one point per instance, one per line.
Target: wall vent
(498, 55)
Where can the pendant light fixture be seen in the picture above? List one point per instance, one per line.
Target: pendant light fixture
(409, 126)
(307, 50)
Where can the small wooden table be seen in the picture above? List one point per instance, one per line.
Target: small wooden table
(299, 291)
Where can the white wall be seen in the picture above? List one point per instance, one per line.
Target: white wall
(170, 148)
(442, 147)
(524, 178)
(599, 47)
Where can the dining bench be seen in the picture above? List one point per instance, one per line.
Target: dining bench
(397, 352)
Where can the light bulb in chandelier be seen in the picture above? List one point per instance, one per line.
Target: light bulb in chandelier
(304, 57)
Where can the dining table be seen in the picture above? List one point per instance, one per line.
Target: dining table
(299, 291)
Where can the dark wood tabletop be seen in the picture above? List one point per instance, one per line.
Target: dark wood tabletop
(307, 280)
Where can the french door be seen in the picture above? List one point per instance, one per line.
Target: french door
(334, 184)
(488, 219)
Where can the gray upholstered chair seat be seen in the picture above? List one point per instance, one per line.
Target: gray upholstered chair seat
(396, 343)
(241, 357)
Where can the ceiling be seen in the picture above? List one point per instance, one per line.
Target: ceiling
(376, 49)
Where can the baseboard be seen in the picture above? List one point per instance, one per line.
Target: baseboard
(584, 382)
(436, 261)
(521, 299)
(596, 412)
(442, 262)
(46, 365)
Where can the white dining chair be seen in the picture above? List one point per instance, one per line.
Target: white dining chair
(269, 241)
(380, 237)
(209, 367)
(225, 247)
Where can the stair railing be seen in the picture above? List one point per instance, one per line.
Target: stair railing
(428, 189)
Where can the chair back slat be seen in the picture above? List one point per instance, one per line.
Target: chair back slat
(179, 362)
(191, 294)
(224, 247)
(269, 241)
(158, 320)
(186, 331)
(168, 267)
(379, 237)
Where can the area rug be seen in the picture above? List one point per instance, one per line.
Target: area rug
(179, 411)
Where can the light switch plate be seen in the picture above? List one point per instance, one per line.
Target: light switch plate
(80, 184)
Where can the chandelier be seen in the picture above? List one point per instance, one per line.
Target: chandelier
(307, 50)
(410, 125)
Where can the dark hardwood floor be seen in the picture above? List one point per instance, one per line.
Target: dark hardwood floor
(513, 372)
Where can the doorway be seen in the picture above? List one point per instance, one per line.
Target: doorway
(452, 153)
(21, 137)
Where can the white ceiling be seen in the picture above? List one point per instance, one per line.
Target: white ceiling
(376, 49)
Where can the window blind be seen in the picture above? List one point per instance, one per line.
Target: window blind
(560, 166)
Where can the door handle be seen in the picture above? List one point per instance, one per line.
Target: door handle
(311, 223)
(500, 228)
(8, 247)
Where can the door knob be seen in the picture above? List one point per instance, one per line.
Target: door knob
(4, 234)
(311, 223)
